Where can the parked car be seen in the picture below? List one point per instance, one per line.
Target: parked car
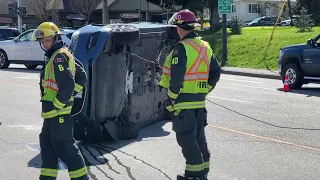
(262, 21)
(21, 51)
(301, 63)
(7, 33)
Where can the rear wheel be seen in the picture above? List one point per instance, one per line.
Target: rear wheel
(4, 62)
(31, 66)
(295, 77)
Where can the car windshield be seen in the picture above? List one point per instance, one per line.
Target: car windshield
(7, 33)
(255, 20)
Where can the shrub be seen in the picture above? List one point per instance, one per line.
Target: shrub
(236, 26)
(304, 22)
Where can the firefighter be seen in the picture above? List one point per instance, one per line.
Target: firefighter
(190, 72)
(58, 87)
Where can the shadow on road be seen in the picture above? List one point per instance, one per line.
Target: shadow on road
(94, 153)
(308, 91)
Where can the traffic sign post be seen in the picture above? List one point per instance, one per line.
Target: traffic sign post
(224, 7)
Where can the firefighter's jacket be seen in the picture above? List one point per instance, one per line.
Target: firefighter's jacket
(57, 82)
(190, 71)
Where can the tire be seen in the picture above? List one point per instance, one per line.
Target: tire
(294, 75)
(4, 62)
(124, 34)
(31, 66)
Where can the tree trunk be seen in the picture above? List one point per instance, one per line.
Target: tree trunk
(87, 19)
(214, 17)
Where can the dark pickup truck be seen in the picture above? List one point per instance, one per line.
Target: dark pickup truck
(301, 63)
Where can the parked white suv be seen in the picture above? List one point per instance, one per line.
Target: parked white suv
(21, 51)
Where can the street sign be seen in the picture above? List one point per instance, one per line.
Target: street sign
(224, 6)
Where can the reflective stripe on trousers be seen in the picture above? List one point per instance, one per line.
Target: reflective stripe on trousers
(49, 172)
(78, 173)
(195, 167)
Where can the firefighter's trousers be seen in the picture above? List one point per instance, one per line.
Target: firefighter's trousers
(56, 141)
(189, 127)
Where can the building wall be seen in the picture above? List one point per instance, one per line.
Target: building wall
(242, 10)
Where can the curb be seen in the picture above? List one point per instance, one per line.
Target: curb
(251, 74)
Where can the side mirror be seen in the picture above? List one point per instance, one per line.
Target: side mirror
(310, 42)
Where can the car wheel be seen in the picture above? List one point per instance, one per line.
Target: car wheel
(31, 66)
(4, 62)
(124, 34)
(295, 77)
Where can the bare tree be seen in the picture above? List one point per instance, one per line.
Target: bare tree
(85, 7)
(272, 8)
(44, 9)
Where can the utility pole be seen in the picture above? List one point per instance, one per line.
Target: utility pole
(224, 40)
(139, 10)
(19, 17)
(290, 13)
(105, 12)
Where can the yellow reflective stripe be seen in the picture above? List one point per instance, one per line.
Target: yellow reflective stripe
(49, 114)
(195, 168)
(172, 95)
(209, 87)
(186, 105)
(66, 110)
(58, 104)
(78, 173)
(170, 108)
(49, 172)
(77, 87)
(206, 164)
(71, 99)
(54, 113)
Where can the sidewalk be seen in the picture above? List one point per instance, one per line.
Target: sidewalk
(261, 73)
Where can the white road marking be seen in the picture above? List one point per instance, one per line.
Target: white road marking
(26, 127)
(232, 79)
(248, 86)
(36, 147)
(27, 77)
(230, 99)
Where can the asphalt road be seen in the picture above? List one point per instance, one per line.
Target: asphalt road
(241, 146)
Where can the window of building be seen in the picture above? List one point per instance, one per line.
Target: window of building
(234, 9)
(254, 8)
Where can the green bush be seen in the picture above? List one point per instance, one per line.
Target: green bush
(304, 22)
(236, 26)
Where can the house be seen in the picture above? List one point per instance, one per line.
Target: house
(248, 10)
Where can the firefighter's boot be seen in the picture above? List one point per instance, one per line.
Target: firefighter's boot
(180, 177)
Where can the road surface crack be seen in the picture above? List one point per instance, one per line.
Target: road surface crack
(95, 158)
(109, 149)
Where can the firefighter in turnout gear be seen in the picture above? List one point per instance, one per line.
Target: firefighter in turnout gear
(190, 72)
(58, 87)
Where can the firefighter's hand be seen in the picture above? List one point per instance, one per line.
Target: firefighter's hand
(168, 102)
(158, 68)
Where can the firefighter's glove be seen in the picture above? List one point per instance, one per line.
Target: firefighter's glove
(210, 88)
(168, 104)
(158, 68)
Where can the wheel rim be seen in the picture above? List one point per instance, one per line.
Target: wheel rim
(292, 75)
(2, 59)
